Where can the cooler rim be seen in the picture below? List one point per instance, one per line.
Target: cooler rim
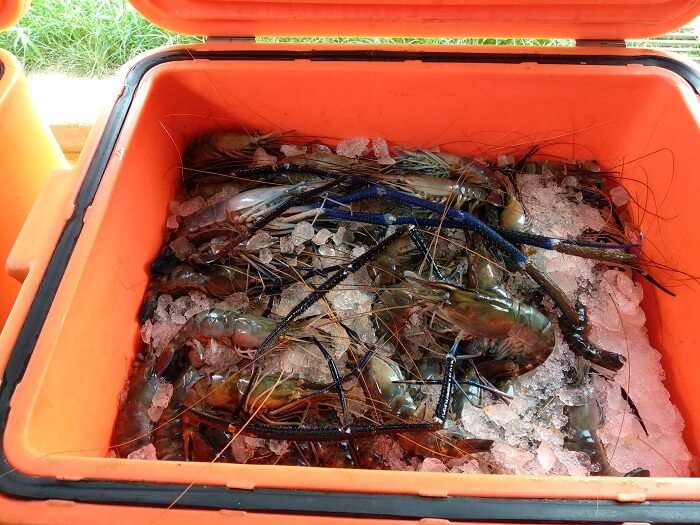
(15, 484)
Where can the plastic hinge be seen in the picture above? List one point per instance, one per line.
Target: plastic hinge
(240, 485)
(631, 497)
(50, 211)
(233, 514)
(432, 493)
(229, 39)
(594, 42)
(60, 502)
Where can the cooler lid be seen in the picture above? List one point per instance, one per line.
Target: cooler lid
(580, 19)
(11, 11)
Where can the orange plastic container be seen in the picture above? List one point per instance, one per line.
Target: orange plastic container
(83, 253)
(28, 153)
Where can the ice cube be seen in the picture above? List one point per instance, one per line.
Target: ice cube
(322, 237)
(546, 457)
(279, 448)
(258, 241)
(381, 151)
(265, 256)
(182, 247)
(432, 465)
(220, 356)
(162, 333)
(286, 244)
(303, 231)
(321, 148)
(339, 236)
(292, 150)
(353, 147)
(190, 206)
(619, 196)
(172, 222)
(146, 329)
(160, 401)
(505, 160)
(262, 158)
(500, 413)
(145, 452)
(291, 296)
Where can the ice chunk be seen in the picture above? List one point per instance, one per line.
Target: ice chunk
(172, 222)
(619, 196)
(513, 460)
(199, 302)
(220, 356)
(500, 413)
(182, 247)
(353, 147)
(160, 401)
(190, 206)
(146, 330)
(145, 452)
(238, 300)
(259, 241)
(505, 160)
(306, 362)
(226, 192)
(279, 448)
(243, 447)
(303, 231)
(390, 452)
(338, 342)
(464, 466)
(546, 457)
(286, 244)
(263, 158)
(339, 236)
(328, 253)
(381, 151)
(432, 465)
(265, 256)
(322, 237)
(162, 333)
(291, 296)
(292, 150)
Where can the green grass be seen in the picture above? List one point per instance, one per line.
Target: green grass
(83, 37)
(94, 37)
(428, 41)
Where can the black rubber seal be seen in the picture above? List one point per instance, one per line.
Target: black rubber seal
(18, 485)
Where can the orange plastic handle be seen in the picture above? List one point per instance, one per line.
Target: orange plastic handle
(52, 208)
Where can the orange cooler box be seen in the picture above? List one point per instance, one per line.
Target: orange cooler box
(83, 254)
(28, 153)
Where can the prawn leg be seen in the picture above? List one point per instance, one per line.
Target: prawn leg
(328, 433)
(335, 375)
(443, 404)
(419, 242)
(311, 299)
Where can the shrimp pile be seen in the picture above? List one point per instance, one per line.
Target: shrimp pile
(390, 308)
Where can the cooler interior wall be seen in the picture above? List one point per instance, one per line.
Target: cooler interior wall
(641, 118)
